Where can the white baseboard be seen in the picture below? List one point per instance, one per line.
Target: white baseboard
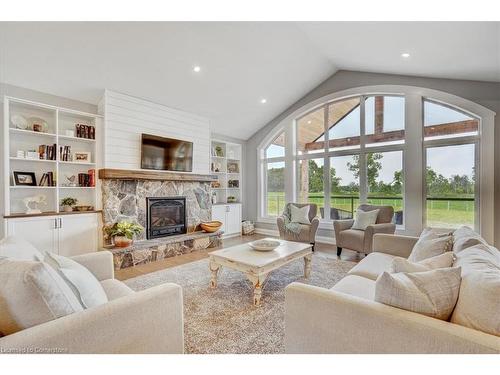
(275, 233)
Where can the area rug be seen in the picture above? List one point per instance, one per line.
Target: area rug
(224, 320)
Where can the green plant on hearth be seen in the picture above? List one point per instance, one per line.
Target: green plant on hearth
(124, 229)
(68, 201)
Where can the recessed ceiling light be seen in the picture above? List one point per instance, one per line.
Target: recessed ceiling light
(309, 121)
(405, 55)
(197, 69)
(263, 101)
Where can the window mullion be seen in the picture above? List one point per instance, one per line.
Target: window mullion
(326, 168)
(363, 180)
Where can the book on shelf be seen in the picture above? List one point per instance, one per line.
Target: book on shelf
(47, 179)
(85, 131)
(87, 179)
(65, 153)
(47, 152)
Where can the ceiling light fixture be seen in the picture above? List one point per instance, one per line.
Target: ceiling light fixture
(309, 121)
(405, 55)
(196, 69)
(263, 101)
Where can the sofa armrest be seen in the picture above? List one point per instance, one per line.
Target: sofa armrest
(370, 231)
(99, 263)
(149, 321)
(319, 320)
(313, 229)
(400, 246)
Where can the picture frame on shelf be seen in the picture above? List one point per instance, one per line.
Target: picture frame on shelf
(24, 178)
(81, 157)
(233, 167)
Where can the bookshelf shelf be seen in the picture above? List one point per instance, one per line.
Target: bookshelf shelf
(60, 123)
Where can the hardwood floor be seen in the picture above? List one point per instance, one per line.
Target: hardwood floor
(142, 269)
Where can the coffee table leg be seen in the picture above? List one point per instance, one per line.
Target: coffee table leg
(258, 284)
(307, 265)
(214, 268)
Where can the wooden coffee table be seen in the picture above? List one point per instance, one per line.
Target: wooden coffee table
(257, 265)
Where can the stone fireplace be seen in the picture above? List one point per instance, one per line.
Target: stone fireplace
(170, 206)
(166, 216)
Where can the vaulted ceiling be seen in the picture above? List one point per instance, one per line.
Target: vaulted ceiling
(240, 63)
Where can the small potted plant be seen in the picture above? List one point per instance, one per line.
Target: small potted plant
(123, 232)
(68, 203)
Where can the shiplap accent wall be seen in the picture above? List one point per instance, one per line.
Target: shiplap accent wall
(127, 117)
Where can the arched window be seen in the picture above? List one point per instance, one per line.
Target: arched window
(423, 152)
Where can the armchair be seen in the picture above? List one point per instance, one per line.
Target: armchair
(359, 240)
(307, 231)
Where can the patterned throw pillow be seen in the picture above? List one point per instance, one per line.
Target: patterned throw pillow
(364, 219)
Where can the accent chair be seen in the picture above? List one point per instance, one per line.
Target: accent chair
(361, 240)
(307, 231)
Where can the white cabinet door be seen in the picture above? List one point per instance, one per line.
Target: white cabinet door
(77, 234)
(233, 219)
(40, 231)
(219, 214)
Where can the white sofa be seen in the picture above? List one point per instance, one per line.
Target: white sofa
(150, 321)
(346, 319)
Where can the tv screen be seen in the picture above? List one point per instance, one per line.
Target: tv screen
(166, 154)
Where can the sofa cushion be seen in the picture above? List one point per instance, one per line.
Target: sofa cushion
(433, 293)
(18, 248)
(464, 237)
(430, 243)
(352, 239)
(115, 289)
(478, 304)
(32, 293)
(356, 286)
(444, 260)
(373, 265)
(82, 282)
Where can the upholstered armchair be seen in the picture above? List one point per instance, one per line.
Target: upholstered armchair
(361, 240)
(307, 231)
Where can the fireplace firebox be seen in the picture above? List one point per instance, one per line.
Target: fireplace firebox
(166, 216)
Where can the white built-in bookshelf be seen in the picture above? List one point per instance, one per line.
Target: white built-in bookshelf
(225, 164)
(54, 126)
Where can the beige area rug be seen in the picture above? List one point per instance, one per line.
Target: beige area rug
(224, 320)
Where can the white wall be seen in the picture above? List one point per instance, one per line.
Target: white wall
(127, 117)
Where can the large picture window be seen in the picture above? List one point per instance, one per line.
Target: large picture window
(427, 158)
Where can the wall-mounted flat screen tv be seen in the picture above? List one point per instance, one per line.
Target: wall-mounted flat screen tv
(166, 154)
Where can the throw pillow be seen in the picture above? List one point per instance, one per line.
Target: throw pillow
(464, 237)
(364, 219)
(478, 304)
(300, 214)
(439, 261)
(32, 293)
(82, 282)
(433, 293)
(430, 244)
(18, 248)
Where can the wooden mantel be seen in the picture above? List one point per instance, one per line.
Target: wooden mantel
(142, 174)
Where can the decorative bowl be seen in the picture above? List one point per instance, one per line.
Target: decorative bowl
(211, 226)
(264, 245)
(83, 208)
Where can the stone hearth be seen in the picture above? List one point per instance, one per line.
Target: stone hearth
(147, 251)
(124, 198)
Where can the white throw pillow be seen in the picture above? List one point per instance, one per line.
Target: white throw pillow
(364, 219)
(465, 237)
(32, 293)
(430, 244)
(433, 293)
(82, 282)
(18, 248)
(300, 214)
(478, 305)
(439, 261)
